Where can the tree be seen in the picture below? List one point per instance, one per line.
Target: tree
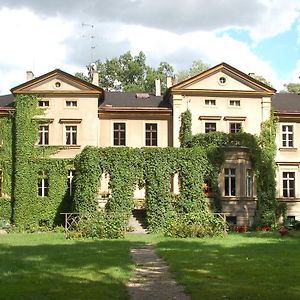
(293, 88)
(197, 67)
(130, 73)
(261, 79)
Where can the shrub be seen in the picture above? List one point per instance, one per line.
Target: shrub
(100, 225)
(193, 225)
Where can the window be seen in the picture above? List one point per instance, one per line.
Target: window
(207, 187)
(210, 102)
(210, 127)
(288, 184)
(71, 135)
(231, 220)
(43, 184)
(235, 127)
(235, 103)
(44, 135)
(230, 180)
(151, 134)
(249, 183)
(119, 134)
(222, 80)
(70, 103)
(287, 136)
(70, 181)
(43, 103)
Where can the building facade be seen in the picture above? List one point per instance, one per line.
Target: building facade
(75, 114)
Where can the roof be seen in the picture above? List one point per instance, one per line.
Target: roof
(7, 101)
(23, 88)
(229, 68)
(286, 103)
(133, 100)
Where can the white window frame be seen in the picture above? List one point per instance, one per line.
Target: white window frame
(233, 122)
(230, 176)
(249, 183)
(43, 185)
(285, 135)
(210, 122)
(286, 177)
(42, 134)
(234, 103)
(43, 103)
(210, 102)
(70, 131)
(70, 181)
(71, 103)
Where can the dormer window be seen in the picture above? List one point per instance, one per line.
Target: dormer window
(71, 103)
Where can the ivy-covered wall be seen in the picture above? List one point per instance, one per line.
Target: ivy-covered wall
(151, 167)
(31, 161)
(6, 166)
(262, 151)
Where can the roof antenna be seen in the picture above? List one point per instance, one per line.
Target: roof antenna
(92, 37)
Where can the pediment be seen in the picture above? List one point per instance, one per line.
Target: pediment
(224, 78)
(57, 82)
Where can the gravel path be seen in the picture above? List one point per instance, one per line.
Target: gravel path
(152, 277)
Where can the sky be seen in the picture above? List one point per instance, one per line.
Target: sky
(257, 36)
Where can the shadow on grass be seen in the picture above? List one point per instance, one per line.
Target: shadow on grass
(65, 269)
(236, 267)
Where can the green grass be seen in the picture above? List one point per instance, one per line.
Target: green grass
(47, 266)
(240, 266)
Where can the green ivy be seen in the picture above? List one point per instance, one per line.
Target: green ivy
(185, 132)
(151, 167)
(262, 151)
(6, 165)
(30, 210)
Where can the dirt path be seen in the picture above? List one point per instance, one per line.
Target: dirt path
(152, 277)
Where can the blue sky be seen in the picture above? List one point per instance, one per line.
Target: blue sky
(257, 36)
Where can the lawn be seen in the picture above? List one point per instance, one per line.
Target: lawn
(239, 266)
(47, 266)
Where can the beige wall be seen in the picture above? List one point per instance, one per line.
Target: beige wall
(135, 128)
(84, 116)
(249, 110)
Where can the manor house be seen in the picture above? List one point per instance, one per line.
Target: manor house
(77, 114)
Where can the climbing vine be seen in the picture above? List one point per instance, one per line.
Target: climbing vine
(32, 162)
(153, 168)
(185, 132)
(6, 124)
(262, 151)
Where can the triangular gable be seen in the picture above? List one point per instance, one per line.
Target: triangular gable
(57, 82)
(235, 80)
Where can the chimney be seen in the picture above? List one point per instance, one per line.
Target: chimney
(157, 87)
(29, 75)
(95, 80)
(169, 81)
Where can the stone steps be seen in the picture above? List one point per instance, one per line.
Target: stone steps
(137, 222)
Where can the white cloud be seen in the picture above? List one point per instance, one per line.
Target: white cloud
(278, 17)
(30, 43)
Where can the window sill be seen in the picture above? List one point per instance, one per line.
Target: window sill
(59, 146)
(71, 146)
(287, 149)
